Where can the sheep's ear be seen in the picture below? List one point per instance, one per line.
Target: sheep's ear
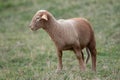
(44, 17)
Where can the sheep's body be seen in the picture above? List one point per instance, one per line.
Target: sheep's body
(76, 32)
(61, 32)
(67, 34)
(71, 34)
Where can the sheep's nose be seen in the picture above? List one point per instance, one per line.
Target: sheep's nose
(32, 29)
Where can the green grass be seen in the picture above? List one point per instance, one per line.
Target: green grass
(27, 55)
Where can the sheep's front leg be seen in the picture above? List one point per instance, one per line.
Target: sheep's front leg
(59, 54)
(79, 56)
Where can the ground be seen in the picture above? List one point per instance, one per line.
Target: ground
(27, 55)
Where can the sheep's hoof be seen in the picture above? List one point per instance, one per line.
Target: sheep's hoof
(58, 70)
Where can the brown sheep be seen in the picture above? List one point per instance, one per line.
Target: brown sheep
(72, 34)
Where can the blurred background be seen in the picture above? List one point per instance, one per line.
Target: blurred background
(27, 55)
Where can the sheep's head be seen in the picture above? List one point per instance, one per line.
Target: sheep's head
(38, 20)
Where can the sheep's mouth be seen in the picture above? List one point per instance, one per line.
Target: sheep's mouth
(33, 29)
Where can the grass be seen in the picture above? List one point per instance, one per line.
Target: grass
(27, 55)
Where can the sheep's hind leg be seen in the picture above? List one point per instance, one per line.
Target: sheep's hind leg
(82, 55)
(79, 56)
(93, 55)
(92, 48)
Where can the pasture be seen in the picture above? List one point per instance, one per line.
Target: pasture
(28, 55)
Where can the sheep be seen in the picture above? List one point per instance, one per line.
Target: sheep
(73, 34)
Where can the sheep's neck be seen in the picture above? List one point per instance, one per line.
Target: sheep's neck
(53, 29)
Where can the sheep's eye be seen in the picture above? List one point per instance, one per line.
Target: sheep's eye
(37, 19)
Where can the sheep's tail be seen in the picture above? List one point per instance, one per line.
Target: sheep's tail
(87, 50)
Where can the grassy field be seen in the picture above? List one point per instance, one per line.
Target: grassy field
(27, 55)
